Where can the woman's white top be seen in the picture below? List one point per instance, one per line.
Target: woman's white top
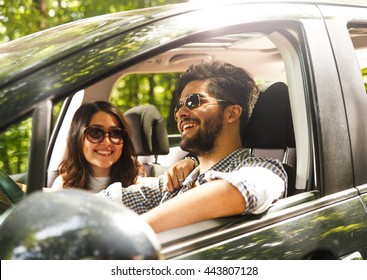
(96, 184)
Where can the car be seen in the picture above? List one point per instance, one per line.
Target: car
(308, 58)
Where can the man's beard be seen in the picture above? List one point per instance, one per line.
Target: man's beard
(203, 141)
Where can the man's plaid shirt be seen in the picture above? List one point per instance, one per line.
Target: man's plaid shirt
(143, 197)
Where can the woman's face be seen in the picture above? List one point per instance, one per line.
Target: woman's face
(101, 156)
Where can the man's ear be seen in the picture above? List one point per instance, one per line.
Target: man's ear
(234, 113)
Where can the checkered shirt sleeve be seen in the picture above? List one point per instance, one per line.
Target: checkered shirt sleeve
(233, 168)
(253, 179)
(143, 197)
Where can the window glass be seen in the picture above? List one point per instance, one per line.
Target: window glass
(14, 147)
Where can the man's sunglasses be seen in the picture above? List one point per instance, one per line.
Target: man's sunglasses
(96, 135)
(191, 102)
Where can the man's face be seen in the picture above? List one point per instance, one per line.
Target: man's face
(200, 126)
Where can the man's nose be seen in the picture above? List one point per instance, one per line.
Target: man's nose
(182, 113)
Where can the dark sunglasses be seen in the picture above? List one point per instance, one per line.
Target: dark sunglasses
(191, 102)
(96, 135)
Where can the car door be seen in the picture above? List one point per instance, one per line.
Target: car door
(329, 227)
(319, 229)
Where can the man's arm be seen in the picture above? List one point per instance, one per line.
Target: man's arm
(247, 190)
(140, 197)
(214, 199)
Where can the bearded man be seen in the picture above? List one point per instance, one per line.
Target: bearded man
(216, 100)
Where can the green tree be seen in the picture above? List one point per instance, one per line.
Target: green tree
(21, 17)
(14, 146)
(139, 89)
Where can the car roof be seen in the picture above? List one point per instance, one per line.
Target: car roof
(360, 3)
(53, 43)
(16, 58)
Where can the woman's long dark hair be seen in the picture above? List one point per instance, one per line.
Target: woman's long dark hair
(75, 169)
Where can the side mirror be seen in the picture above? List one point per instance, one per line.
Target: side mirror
(74, 224)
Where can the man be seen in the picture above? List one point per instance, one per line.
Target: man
(216, 101)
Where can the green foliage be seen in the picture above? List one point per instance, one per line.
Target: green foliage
(364, 75)
(14, 147)
(21, 17)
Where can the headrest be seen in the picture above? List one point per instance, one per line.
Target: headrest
(147, 130)
(271, 125)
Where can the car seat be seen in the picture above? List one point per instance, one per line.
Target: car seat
(270, 132)
(148, 133)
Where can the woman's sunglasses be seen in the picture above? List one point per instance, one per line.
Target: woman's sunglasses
(96, 135)
(191, 102)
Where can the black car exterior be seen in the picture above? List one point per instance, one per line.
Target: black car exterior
(322, 47)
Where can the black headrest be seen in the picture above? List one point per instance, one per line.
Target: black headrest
(271, 125)
(148, 130)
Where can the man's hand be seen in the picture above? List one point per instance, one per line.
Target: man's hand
(176, 174)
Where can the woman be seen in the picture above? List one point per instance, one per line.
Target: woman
(99, 150)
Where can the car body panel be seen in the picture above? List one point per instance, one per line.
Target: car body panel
(314, 230)
(352, 88)
(337, 234)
